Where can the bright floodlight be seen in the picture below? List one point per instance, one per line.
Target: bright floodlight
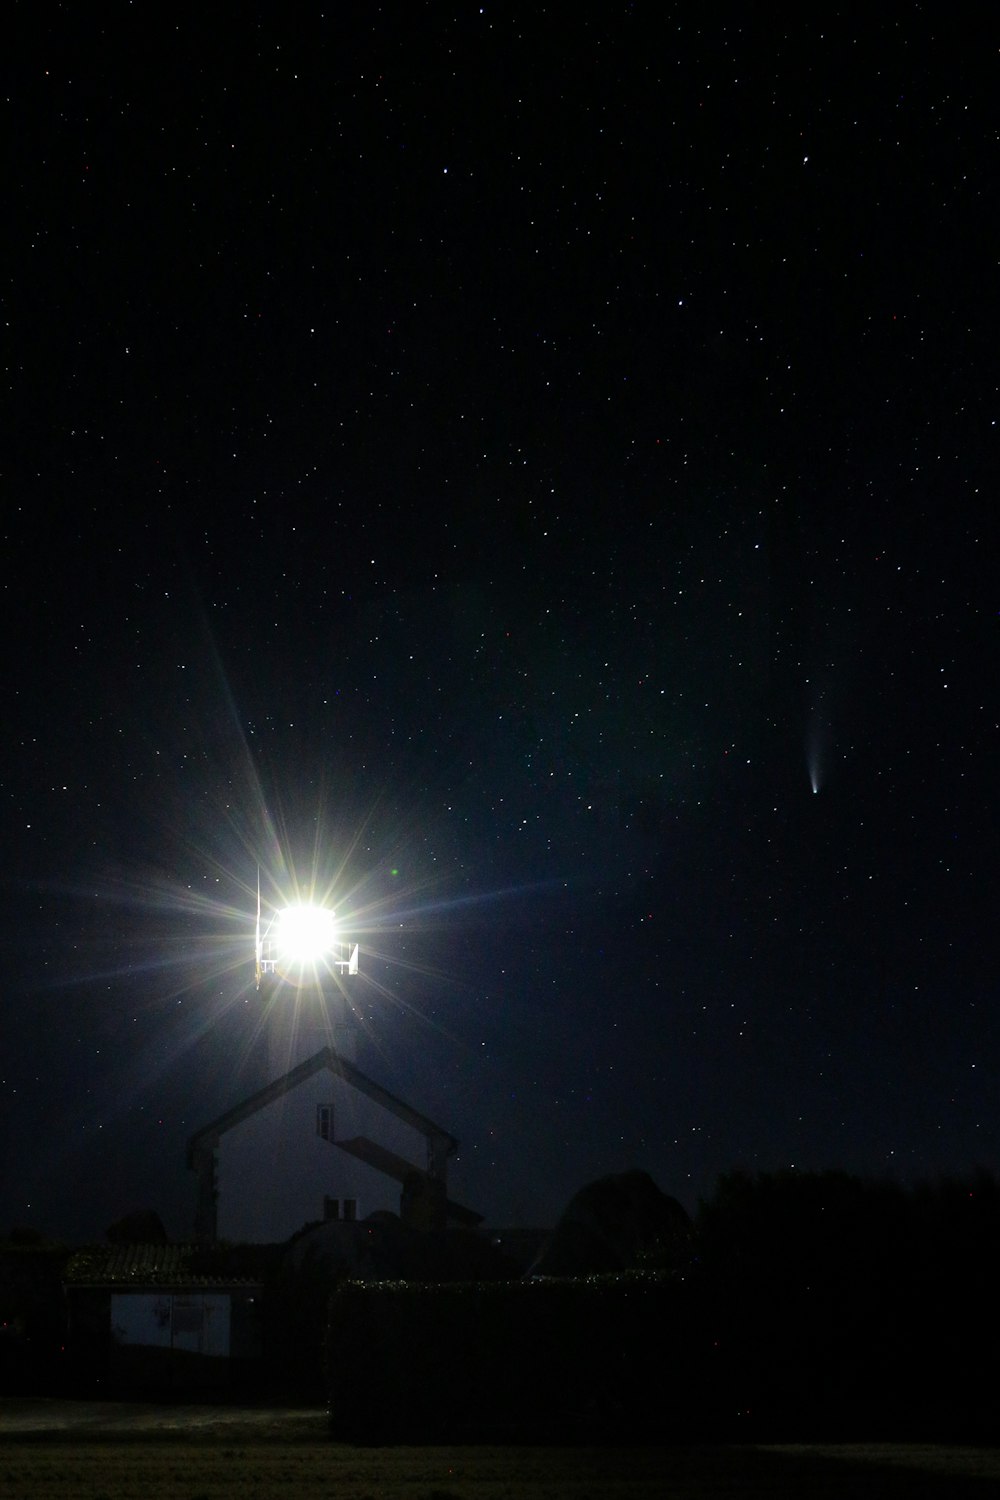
(305, 934)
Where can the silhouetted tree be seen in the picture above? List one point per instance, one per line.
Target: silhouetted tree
(618, 1223)
(142, 1226)
(843, 1304)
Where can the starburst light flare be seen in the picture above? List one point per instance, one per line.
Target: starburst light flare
(304, 934)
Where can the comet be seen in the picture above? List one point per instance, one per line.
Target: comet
(817, 738)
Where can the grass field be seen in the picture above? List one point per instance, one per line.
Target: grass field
(266, 1456)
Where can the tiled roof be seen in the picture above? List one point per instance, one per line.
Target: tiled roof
(166, 1265)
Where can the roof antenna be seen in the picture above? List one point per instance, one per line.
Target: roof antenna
(259, 947)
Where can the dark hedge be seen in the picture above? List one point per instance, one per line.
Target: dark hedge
(600, 1358)
(812, 1306)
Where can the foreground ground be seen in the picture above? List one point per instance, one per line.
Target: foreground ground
(114, 1451)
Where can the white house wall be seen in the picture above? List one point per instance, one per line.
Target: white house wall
(274, 1171)
(194, 1321)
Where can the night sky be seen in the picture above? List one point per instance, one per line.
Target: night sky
(527, 471)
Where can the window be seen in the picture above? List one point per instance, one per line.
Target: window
(324, 1121)
(331, 1209)
(350, 1209)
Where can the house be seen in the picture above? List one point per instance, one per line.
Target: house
(164, 1315)
(321, 1142)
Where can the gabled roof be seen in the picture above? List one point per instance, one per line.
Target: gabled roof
(379, 1157)
(326, 1058)
(396, 1166)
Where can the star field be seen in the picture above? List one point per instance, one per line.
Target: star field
(536, 471)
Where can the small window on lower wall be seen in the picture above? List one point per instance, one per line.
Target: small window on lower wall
(331, 1209)
(324, 1121)
(350, 1209)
